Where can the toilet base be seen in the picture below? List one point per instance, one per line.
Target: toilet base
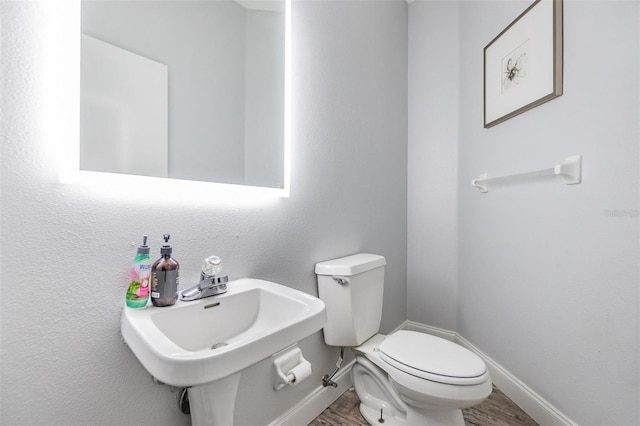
(373, 417)
(414, 417)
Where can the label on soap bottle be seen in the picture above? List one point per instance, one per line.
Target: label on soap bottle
(165, 283)
(138, 289)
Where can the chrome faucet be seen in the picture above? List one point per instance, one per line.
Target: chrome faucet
(210, 283)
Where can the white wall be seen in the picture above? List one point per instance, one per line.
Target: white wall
(548, 274)
(66, 249)
(432, 262)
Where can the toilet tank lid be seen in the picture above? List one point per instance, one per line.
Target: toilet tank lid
(350, 265)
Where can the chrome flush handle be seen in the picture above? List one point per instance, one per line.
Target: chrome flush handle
(341, 280)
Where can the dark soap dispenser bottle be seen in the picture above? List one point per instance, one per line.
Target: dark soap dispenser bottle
(165, 273)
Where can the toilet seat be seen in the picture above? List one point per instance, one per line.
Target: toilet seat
(432, 358)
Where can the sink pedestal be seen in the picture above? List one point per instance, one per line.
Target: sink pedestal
(213, 404)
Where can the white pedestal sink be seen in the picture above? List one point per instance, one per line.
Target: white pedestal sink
(205, 344)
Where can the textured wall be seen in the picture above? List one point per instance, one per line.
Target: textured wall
(66, 249)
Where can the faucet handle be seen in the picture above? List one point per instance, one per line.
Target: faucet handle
(211, 266)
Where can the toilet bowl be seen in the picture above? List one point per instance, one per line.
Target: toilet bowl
(417, 379)
(407, 377)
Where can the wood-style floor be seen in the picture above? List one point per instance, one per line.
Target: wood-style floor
(497, 410)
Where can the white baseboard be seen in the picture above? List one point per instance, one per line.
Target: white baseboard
(533, 404)
(427, 329)
(317, 401)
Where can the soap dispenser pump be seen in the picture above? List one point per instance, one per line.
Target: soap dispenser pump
(165, 277)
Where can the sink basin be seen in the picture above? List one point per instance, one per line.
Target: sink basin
(199, 342)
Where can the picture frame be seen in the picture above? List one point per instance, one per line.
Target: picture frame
(523, 64)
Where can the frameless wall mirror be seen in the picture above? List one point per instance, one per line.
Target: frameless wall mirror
(185, 89)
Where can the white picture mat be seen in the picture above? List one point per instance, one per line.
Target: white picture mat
(536, 27)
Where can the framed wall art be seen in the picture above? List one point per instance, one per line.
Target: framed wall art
(523, 64)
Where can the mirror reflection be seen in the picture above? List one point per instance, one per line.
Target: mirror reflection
(186, 89)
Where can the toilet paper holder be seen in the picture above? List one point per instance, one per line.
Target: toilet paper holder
(290, 368)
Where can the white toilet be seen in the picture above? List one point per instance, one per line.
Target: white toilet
(407, 377)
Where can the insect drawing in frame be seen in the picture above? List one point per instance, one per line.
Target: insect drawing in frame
(515, 66)
(523, 63)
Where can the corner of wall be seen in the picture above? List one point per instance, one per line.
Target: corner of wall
(432, 258)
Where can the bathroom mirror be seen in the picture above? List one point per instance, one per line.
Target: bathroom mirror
(185, 89)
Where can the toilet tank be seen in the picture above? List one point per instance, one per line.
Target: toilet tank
(351, 288)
